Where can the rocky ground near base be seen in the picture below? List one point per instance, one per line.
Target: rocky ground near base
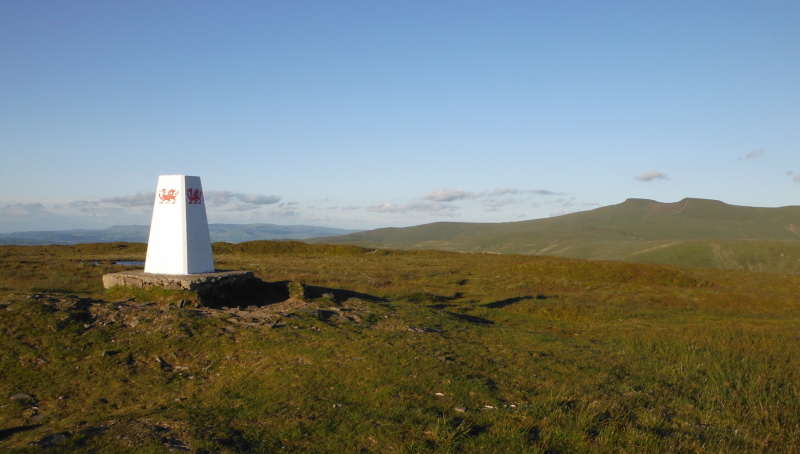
(123, 323)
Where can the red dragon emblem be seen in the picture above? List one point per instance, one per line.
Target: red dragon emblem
(168, 196)
(195, 196)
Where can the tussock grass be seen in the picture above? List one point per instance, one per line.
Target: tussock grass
(507, 354)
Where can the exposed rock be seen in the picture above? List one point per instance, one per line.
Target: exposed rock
(52, 439)
(201, 283)
(425, 330)
(175, 445)
(21, 396)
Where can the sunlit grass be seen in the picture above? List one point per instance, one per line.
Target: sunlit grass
(541, 354)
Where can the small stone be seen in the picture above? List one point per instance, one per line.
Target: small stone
(63, 397)
(460, 409)
(36, 419)
(51, 440)
(440, 394)
(176, 445)
(20, 396)
(339, 404)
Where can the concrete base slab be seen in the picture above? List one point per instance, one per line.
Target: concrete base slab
(200, 283)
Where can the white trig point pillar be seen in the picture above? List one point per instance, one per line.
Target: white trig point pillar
(179, 240)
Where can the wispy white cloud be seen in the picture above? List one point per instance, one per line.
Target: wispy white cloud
(565, 202)
(257, 199)
(495, 205)
(411, 206)
(652, 175)
(24, 209)
(83, 204)
(139, 199)
(752, 154)
(65, 216)
(451, 195)
(445, 201)
(284, 212)
(225, 197)
(239, 207)
(504, 191)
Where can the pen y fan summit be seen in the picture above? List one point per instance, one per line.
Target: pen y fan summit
(696, 232)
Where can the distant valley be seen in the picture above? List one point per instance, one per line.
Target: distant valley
(696, 232)
(229, 233)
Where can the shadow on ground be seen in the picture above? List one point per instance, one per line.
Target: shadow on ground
(5, 433)
(253, 292)
(510, 301)
(256, 292)
(339, 295)
(470, 318)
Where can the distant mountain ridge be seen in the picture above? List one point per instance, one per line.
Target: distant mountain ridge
(229, 233)
(697, 232)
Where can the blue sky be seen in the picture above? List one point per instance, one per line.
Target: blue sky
(377, 113)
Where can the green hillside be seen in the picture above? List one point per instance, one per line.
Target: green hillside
(694, 232)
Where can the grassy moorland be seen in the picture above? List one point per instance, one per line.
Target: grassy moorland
(344, 349)
(696, 232)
